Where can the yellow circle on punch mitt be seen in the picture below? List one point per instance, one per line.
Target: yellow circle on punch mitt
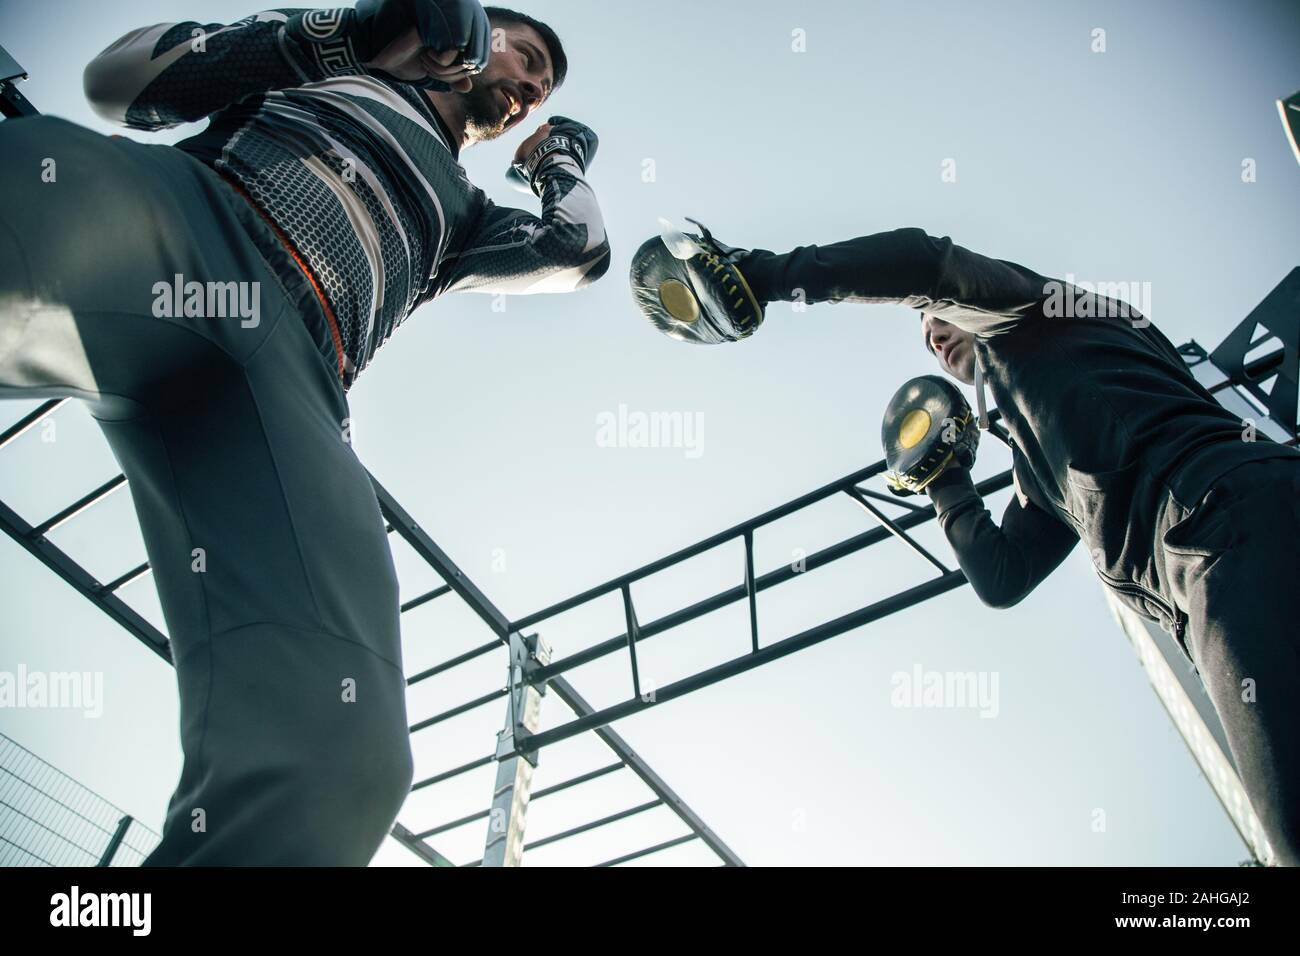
(915, 426)
(679, 300)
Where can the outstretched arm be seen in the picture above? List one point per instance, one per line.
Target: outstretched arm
(171, 73)
(904, 267)
(1003, 564)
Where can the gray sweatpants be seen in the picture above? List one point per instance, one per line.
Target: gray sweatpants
(265, 538)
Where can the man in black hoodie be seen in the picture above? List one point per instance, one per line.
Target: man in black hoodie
(1189, 518)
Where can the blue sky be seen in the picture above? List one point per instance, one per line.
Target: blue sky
(1123, 165)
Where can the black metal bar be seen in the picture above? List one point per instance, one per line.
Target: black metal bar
(454, 662)
(424, 546)
(750, 593)
(454, 772)
(634, 762)
(419, 847)
(457, 711)
(80, 505)
(778, 576)
(580, 779)
(74, 574)
(452, 825)
(115, 841)
(538, 795)
(666, 845)
(425, 598)
(999, 431)
(629, 615)
(895, 530)
(713, 541)
(739, 665)
(593, 825)
(131, 576)
(891, 499)
(30, 419)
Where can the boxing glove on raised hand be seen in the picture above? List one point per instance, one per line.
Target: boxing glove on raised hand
(376, 36)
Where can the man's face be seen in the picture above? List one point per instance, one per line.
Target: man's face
(518, 79)
(953, 347)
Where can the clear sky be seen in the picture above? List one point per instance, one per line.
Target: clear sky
(1122, 165)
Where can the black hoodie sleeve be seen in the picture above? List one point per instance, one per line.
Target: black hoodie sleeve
(1003, 564)
(903, 267)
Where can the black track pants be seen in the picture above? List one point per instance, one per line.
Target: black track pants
(262, 528)
(1235, 570)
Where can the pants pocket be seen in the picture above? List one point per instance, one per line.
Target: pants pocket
(1207, 531)
(1120, 540)
(1100, 504)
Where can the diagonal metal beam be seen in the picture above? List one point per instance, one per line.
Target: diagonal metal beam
(29, 420)
(895, 530)
(81, 504)
(417, 846)
(411, 532)
(614, 741)
(83, 582)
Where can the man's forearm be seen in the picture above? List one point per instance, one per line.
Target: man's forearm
(170, 73)
(885, 267)
(513, 251)
(1003, 564)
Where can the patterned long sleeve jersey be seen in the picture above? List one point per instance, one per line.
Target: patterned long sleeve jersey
(358, 172)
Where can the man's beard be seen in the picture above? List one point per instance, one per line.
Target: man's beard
(484, 117)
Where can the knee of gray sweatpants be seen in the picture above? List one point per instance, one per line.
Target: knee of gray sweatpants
(372, 761)
(344, 807)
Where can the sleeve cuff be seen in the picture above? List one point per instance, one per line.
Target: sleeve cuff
(952, 489)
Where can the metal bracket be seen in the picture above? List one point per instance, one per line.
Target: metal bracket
(12, 103)
(1279, 316)
(506, 819)
(528, 654)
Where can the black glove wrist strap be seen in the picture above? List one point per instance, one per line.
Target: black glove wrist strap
(556, 143)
